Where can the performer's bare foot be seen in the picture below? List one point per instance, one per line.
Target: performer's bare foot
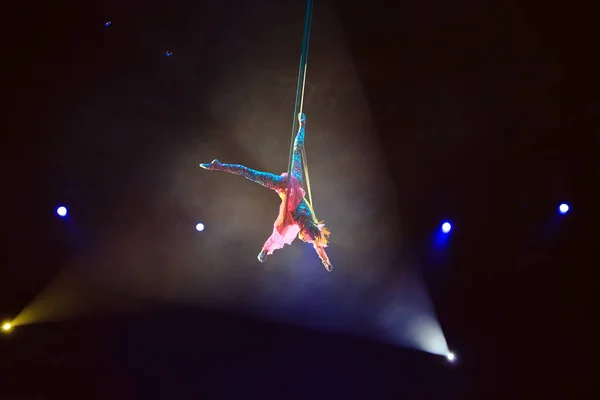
(328, 266)
(262, 256)
(212, 165)
(302, 119)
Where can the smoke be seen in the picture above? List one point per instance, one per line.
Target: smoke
(151, 251)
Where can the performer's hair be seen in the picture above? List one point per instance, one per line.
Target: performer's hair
(322, 234)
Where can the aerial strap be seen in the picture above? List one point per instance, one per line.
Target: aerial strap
(300, 97)
(305, 168)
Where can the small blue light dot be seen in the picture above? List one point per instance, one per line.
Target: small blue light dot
(446, 227)
(200, 227)
(168, 53)
(62, 211)
(107, 23)
(563, 208)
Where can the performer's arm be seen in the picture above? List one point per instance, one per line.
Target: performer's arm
(265, 179)
(323, 256)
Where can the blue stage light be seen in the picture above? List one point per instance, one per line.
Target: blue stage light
(563, 208)
(446, 227)
(62, 211)
(168, 53)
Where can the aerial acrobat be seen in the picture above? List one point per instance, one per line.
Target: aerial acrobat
(296, 216)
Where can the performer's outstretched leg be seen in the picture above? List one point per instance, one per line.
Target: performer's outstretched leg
(266, 179)
(297, 151)
(277, 240)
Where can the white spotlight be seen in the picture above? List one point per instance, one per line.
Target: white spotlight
(62, 211)
(563, 208)
(200, 227)
(446, 227)
(450, 356)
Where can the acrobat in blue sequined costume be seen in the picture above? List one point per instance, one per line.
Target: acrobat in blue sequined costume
(298, 218)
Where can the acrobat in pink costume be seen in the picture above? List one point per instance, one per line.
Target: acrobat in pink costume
(299, 220)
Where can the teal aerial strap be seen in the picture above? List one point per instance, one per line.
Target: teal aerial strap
(300, 96)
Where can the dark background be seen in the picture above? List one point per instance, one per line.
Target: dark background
(484, 114)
